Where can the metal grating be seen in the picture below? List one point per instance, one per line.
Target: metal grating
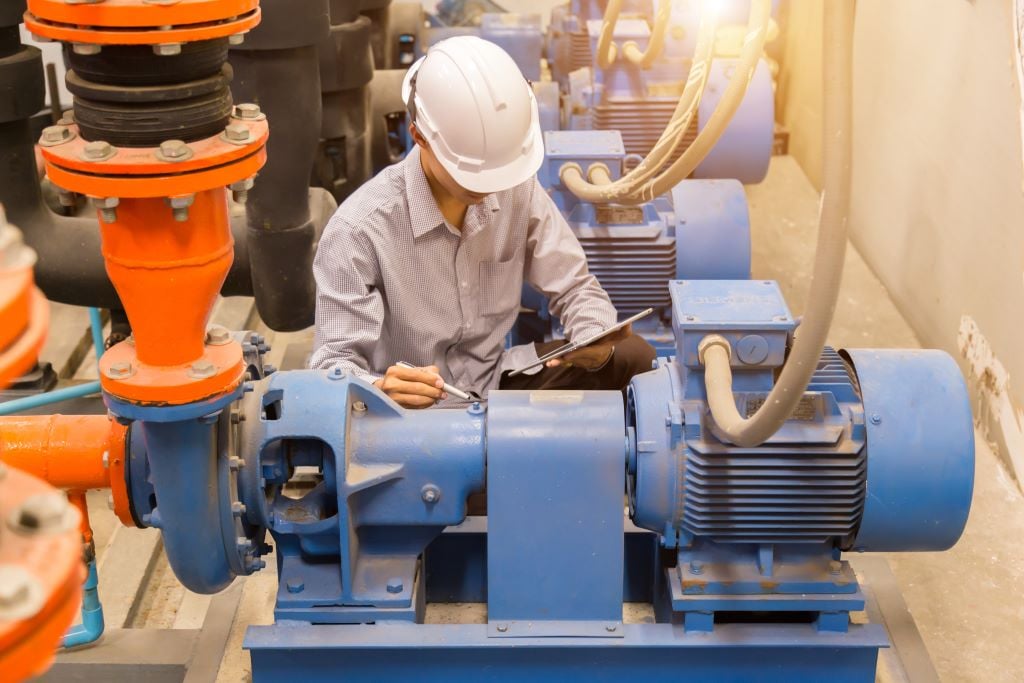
(778, 494)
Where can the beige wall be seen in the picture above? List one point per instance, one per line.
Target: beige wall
(798, 101)
(938, 188)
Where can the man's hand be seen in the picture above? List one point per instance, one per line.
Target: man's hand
(594, 356)
(412, 387)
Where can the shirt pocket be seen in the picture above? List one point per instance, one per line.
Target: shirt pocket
(501, 286)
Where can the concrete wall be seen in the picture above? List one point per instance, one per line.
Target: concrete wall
(798, 100)
(938, 189)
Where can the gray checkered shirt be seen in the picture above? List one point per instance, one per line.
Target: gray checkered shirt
(396, 282)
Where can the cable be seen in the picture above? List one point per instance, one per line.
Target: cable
(828, 262)
(655, 46)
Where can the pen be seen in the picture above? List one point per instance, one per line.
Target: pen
(454, 391)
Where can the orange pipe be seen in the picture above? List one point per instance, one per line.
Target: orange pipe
(168, 273)
(66, 451)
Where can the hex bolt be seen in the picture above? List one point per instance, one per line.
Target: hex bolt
(167, 49)
(237, 38)
(876, 419)
(359, 407)
(175, 150)
(85, 49)
(430, 494)
(180, 206)
(295, 585)
(202, 369)
(120, 370)
(110, 501)
(394, 585)
(218, 335)
(65, 198)
(40, 514)
(248, 110)
(106, 460)
(240, 190)
(696, 567)
(98, 150)
(237, 509)
(335, 373)
(56, 134)
(502, 628)
(237, 132)
(67, 118)
(235, 463)
(611, 628)
(107, 206)
(835, 567)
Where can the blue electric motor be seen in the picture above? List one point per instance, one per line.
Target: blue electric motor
(879, 456)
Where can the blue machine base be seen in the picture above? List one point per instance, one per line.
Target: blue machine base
(647, 652)
(455, 569)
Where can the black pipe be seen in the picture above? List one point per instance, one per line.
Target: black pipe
(277, 67)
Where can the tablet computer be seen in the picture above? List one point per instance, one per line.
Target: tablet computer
(572, 346)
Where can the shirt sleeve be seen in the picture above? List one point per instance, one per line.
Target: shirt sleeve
(557, 267)
(349, 305)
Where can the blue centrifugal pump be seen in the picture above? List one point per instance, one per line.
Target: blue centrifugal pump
(743, 560)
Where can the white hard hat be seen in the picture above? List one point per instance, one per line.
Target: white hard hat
(478, 112)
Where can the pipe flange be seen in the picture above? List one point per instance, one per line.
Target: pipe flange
(132, 22)
(205, 164)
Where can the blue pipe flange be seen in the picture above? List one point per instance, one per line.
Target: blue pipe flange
(920, 450)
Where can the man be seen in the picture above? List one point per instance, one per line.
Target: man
(425, 262)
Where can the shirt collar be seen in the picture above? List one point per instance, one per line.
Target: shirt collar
(424, 214)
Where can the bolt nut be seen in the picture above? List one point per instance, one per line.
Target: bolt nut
(295, 585)
(696, 567)
(611, 628)
(85, 49)
(67, 118)
(56, 135)
(237, 133)
(98, 150)
(876, 419)
(394, 586)
(249, 111)
(430, 494)
(21, 595)
(237, 38)
(835, 567)
(120, 370)
(218, 335)
(167, 49)
(359, 407)
(202, 369)
(65, 198)
(41, 514)
(174, 151)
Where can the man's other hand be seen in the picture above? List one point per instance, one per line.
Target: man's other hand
(594, 356)
(412, 387)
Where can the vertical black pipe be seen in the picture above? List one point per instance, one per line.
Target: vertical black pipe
(277, 67)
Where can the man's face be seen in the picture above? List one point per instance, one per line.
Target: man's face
(442, 176)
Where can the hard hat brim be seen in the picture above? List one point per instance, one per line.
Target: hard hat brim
(503, 177)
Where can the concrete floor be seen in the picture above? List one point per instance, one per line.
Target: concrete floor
(968, 603)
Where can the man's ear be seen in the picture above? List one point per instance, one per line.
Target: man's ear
(417, 136)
